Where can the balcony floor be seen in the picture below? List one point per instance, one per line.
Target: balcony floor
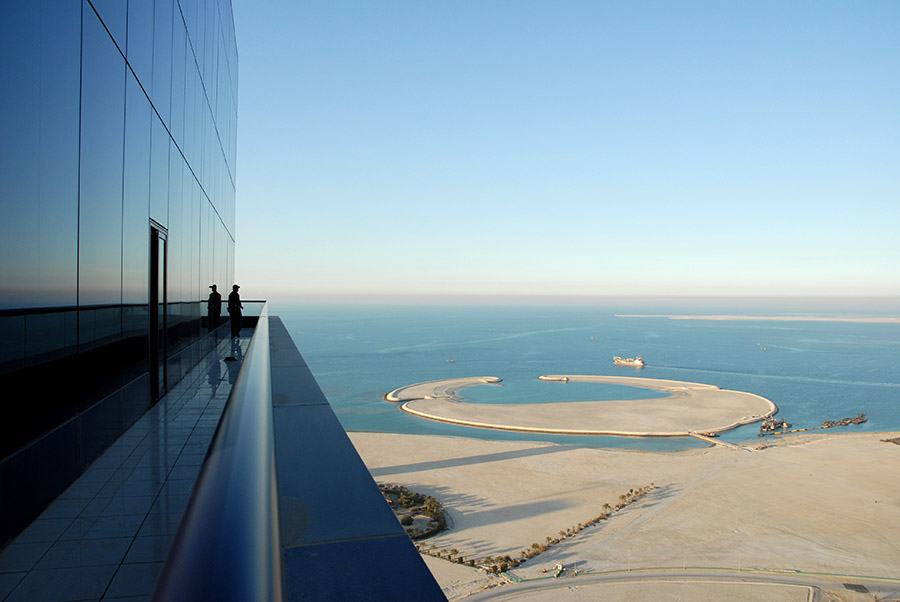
(107, 535)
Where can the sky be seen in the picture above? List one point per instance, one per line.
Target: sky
(496, 147)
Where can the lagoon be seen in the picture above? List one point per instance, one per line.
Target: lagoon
(813, 370)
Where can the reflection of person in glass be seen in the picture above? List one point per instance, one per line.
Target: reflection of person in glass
(234, 310)
(214, 374)
(214, 308)
(234, 361)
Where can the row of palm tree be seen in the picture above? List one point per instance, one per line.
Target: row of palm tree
(452, 554)
(499, 565)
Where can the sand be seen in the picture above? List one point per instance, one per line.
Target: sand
(815, 503)
(710, 590)
(692, 407)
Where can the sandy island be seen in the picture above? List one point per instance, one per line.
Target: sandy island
(817, 503)
(691, 408)
(851, 319)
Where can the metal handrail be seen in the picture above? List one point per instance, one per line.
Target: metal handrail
(227, 547)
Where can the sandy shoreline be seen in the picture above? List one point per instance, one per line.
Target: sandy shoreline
(691, 407)
(818, 503)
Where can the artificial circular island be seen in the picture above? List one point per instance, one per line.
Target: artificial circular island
(691, 408)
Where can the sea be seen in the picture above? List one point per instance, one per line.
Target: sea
(812, 370)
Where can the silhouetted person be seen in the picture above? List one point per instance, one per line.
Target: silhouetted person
(234, 310)
(214, 308)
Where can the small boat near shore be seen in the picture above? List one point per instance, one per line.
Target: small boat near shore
(634, 362)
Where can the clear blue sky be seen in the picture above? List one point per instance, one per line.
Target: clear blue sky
(576, 148)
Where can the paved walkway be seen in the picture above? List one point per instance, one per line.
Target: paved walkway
(106, 536)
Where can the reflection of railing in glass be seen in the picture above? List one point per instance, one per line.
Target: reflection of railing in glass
(251, 312)
(94, 351)
(77, 377)
(67, 359)
(253, 308)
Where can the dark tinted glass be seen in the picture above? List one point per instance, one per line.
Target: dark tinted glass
(99, 328)
(135, 340)
(45, 337)
(12, 343)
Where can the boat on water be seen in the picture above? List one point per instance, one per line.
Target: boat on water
(635, 362)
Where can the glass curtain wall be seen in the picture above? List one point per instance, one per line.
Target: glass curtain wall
(118, 122)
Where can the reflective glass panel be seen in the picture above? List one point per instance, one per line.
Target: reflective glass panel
(19, 152)
(162, 57)
(136, 205)
(45, 336)
(179, 41)
(159, 172)
(140, 40)
(39, 182)
(102, 143)
(191, 234)
(176, 231)
(114, 14)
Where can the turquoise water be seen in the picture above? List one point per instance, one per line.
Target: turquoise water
(813, 371)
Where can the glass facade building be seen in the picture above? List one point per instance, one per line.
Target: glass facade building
(117, 192)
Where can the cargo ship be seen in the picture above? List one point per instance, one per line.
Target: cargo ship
(635, 362)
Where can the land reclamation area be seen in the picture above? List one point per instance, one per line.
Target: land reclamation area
(690, 408)
(818, 503)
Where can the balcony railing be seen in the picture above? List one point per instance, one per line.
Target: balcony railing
(227, 546)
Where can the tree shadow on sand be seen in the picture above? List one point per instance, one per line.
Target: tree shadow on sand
(563, 548)
(468, 460)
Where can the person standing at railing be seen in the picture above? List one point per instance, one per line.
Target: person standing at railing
(214, 308)
(234, 310)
